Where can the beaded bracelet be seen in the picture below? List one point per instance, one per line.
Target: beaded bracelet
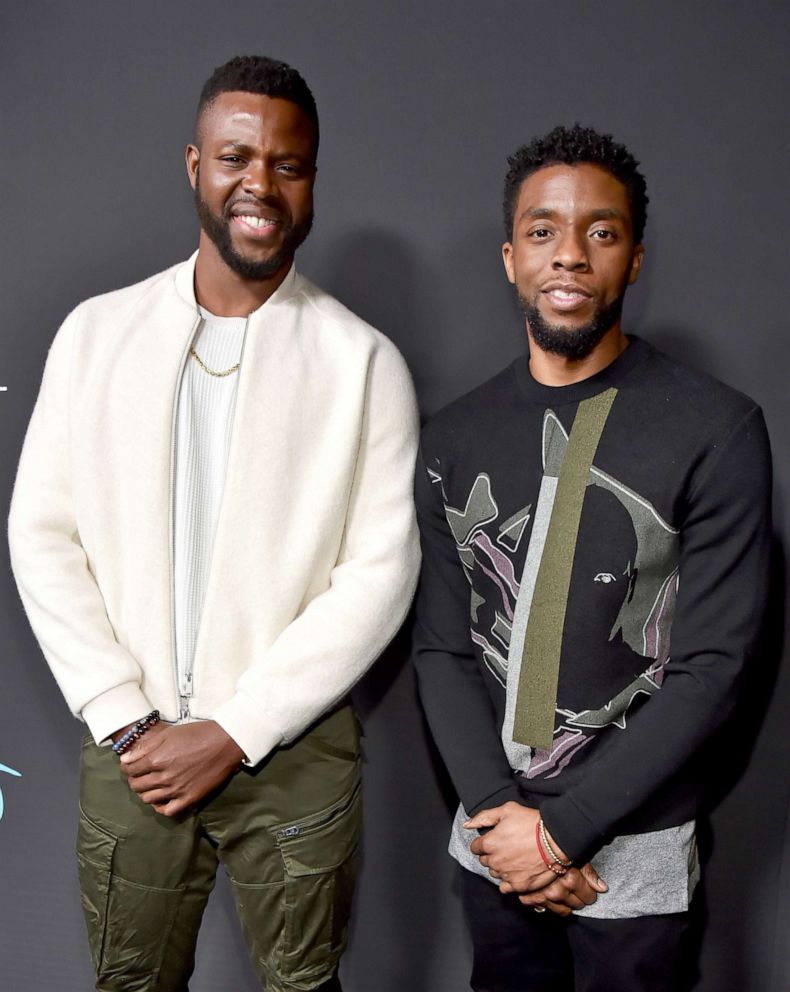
(542, 852)
(122, 745)
(556, 864)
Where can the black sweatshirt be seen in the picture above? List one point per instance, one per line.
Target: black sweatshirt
(567, 532)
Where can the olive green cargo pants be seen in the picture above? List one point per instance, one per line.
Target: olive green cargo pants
(286, 833)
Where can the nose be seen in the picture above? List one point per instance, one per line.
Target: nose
(571, 252)
(259, 180)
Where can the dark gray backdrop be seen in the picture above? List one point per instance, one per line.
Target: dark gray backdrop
(419, 104)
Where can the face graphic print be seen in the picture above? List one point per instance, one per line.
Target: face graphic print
(620, 598)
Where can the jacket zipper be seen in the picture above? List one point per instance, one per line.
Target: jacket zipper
(185, 686)
(183, 690)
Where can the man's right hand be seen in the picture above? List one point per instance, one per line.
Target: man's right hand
(578, 888)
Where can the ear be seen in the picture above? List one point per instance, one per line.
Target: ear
(192, 157)
(636, 264)
(507, 258)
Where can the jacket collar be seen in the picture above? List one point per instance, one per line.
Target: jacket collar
(185, 284)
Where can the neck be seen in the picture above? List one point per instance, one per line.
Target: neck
(224, 292)
(557, 370)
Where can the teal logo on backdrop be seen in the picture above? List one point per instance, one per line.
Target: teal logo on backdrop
(8, 771)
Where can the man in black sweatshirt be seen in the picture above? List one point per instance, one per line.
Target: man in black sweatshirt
(595, 528)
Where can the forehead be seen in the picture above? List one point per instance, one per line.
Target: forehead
(252, 117)
(573, 190)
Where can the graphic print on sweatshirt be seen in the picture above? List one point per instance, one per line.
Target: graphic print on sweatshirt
(616, 609)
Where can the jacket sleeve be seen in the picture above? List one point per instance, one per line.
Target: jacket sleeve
(319, 656)
(724, 572)
(454, 695)
(63, 603)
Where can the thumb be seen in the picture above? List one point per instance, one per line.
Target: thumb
(485, 818)
(594, 878)
(139, 749)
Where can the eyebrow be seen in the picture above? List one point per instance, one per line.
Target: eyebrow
(546, 213)
(245, 149)
(237, 146)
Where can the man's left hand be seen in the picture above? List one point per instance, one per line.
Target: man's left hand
(509, 848)
(173, 767)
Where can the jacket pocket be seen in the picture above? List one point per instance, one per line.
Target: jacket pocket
(319, 855)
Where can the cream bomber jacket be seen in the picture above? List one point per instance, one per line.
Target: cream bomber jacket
(316, 552)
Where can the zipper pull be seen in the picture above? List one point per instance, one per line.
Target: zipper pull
(184, 714)
(288, 832)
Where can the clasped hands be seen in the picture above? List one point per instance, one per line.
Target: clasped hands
(510, 853)
(173, 767)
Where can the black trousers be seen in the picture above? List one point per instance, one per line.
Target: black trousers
(519, 950)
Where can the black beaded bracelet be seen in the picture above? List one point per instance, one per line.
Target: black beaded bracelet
(136, 732)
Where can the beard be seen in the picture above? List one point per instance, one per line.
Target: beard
(574, 343)
(218, 231)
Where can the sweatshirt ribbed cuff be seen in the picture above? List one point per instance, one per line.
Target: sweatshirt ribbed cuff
(574, 833)
(242, 720)
(114, 709)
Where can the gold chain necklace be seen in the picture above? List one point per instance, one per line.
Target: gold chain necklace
(218, 375)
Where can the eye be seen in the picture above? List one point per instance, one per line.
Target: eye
(287, 169)
(233, 160)
(602, 234)
(605, 578)
(539, 233)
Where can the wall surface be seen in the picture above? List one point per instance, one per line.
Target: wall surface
(420, 103)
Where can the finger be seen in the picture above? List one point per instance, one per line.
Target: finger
(141, 748)
(145, 783)
(173, 807)
(481, 845)
(580, 887)
(558, 908)
(584, 893)
(530, 898)
(574, 881)
(134, 761)
(506, 888)
(156, 797)
(566, 898)
(485, 818)
(494, 873)
(593, 878)
(524, 882)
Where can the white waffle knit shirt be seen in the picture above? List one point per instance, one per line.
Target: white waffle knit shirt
(206, 405)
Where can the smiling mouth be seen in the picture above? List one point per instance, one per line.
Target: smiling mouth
(566, 299)
(255, 226)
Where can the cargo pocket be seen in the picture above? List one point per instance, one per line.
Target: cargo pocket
(128, 924)
(320, 858)
(95, 849)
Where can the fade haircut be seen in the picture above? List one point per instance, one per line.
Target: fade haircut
(573, 146)
(262, 75)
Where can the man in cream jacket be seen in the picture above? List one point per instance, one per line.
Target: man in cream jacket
(213, 537)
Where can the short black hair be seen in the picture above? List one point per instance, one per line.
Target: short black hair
(572, 146)
(262, 75)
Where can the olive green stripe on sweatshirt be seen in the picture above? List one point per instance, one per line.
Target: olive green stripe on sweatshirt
(540, 663)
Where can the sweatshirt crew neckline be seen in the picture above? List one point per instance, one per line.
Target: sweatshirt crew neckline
(612, 375)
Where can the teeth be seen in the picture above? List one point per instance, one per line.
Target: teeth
(256, 221)
(565, 294)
